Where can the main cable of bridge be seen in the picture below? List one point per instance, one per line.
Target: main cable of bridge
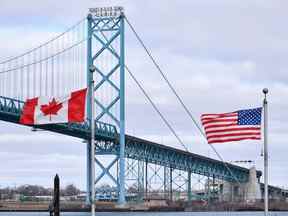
(32, 73)
(177, 96)
(44, 44)
(150, 100)
(44, 59)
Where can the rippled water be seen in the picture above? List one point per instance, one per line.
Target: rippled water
(149, 214)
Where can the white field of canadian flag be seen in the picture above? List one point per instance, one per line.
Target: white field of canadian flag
(52, 110)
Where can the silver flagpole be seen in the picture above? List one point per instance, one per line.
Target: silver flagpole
(92, 126)
(266, 198)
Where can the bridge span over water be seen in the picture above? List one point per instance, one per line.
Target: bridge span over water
(56, 68)
(136, 148)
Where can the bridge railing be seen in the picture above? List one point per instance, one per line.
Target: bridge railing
(11, 106)
(101, 128)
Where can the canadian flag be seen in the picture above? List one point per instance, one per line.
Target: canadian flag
(51, 110)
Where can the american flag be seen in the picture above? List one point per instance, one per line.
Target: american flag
(233, 126)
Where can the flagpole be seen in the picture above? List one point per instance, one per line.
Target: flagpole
(92, 126)
(265, 107)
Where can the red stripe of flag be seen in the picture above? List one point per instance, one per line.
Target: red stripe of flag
(233, 139)
(232, 134)
(219, 125)
(219, 115)
(233, 129)
(218, 120)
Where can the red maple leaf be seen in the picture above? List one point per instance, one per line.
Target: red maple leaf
(51, 109)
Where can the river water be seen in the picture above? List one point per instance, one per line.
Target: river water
(150, 214)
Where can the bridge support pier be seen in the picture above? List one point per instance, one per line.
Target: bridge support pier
(189, 191)
(167, 179)
(253, 191)
(249, 191)
(141, 172)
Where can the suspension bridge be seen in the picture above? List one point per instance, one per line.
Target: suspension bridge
(61, 65)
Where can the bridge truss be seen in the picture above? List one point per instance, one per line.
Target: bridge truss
(105, 33)
(58, 66)
(149, 163)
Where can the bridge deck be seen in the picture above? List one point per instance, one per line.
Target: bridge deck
(136, 148)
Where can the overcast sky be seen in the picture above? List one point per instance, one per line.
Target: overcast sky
(219, 55)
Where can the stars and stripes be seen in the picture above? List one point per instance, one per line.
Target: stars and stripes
(233, 126)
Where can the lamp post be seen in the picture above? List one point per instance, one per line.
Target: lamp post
(92, 69)
(265, 108)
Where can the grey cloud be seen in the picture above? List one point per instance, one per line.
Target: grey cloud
(218, 54)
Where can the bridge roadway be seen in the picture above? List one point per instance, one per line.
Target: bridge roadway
(139, 149)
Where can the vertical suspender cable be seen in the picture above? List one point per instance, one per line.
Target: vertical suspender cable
(22, 78)
(40, 77)
(34, 75)
(46, 70)
(62, 68)
(28, 76)
(9, 80)
(16, 80)
(52, 71)
(58, 72)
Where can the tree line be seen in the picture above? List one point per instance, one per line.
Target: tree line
(37, 190)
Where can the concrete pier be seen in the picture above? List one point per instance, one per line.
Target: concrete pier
(253, 191)
(250, 191)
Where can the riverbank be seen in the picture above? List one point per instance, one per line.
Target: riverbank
(141, 207)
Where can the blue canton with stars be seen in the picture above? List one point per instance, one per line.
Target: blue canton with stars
(249, 116)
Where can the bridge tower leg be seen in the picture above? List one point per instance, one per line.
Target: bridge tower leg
(104, 34)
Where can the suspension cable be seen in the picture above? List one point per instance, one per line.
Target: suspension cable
(46, 58)
(177, 95)
(156, 109)
(44, 44)
(150, 100)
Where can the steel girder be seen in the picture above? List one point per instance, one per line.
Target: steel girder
(10, 111)
(138, 149)
(177, 159)
(102, 32)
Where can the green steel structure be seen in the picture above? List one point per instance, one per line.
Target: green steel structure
(108, 142)
(61, 65)
(103, 31)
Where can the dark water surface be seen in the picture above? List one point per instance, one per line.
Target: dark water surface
(150, 213)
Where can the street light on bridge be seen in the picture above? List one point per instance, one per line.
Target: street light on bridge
(106, 11)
